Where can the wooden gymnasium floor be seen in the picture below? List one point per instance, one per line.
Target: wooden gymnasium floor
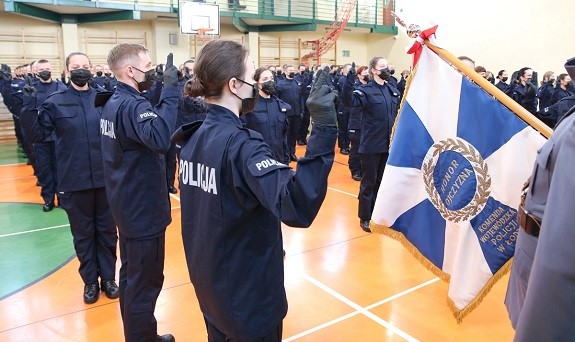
(342, 284)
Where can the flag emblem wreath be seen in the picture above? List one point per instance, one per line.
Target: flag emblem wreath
(460, 189)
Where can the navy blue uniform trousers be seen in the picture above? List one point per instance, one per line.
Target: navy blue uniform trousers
(93, 231)
(372, 166)
(45, 155)
(342, 122)
(354, 160)
(140, 284)
(293, 131)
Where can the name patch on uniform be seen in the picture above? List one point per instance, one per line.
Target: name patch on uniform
(148, 115)
(198, 175)
(107, 128)
(264, 166)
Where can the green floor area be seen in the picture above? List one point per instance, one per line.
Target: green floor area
(11, 153)
(33, 243)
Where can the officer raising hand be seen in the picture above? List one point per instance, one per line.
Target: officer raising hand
(322, 101)
(234, 196)
(135, 136)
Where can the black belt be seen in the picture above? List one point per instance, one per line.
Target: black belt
(530, 224)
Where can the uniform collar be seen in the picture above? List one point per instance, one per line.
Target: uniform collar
(222, 114)
(126, 88)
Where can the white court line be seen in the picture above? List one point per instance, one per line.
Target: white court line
(175, 197)
(403, 293)
(359, 310)
(48, 228)
(343, 192)
(34, 230)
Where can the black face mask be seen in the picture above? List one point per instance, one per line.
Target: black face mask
(30, 74)
(391, 72)
(269, 87)
(366, 78)
(45, 75)
(384, 74)
(108, 74)
(249, 103)
(149, 78)
(279, 72)
(291, 74)
(504, 79)
(99, 73)
(80, 77)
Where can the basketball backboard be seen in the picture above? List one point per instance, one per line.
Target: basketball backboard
(199, 15)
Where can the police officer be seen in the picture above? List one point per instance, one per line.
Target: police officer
(186, 110)
(134, 137)
(548, 311)
(11, 90)
(546, 90)
(269, 117)
(562, 90)
(379, 101)
(343, 114)
(304, 77)
(108, 73)
(71, 115)
(402, 82)
(35, 93)
(291, 91)
(100, 81)
(235, 196)
(502, 84)
(523, 91)
(354, 127)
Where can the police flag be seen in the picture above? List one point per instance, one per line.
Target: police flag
(452, 183)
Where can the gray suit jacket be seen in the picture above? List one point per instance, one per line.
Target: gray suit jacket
(548, 313)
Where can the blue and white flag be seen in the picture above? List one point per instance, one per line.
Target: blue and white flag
(452, 183)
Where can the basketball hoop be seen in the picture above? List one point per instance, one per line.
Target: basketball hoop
(204, 34)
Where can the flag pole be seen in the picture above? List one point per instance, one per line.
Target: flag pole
(493, 90)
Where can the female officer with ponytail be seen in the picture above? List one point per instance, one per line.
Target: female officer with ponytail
(379, 101)
(234, 196)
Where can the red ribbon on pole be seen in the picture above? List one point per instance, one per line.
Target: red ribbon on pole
(417, 46)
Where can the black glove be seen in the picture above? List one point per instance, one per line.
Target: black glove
(5, 72)
(171, 73)
(530, 90)
(351, 74)
(29, 89)
(5, 75)
(322, 101)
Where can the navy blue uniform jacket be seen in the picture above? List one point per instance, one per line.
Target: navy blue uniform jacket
(31, 105)
(269, 118)
(71, 114)
(292, 92)
(379, 104)
(234, 196)
(134, 138)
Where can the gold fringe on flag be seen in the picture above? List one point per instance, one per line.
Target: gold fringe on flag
(459, 314)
